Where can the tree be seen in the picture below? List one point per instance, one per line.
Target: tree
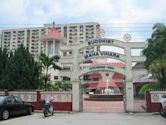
(158, 69)
(66, 85)
(4, 57)
(21, 72)
(155, 53)
(48, 63)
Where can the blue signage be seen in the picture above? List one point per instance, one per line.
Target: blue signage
(101, 53)
(100, 41)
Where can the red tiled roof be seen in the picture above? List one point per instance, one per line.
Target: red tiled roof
(119, 84)
(53, 33)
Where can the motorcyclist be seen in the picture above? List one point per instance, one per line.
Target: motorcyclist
(47, 107)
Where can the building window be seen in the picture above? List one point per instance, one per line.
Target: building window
(66, 68)
(55, 77)
(70, 41)
(66, 78)
(64, 53)
(70, 52)
(86, 77)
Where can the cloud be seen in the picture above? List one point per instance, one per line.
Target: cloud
(115, 16)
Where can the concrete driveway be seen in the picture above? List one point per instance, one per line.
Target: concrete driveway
(88, 119)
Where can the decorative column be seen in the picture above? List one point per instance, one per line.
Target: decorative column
(129, 94)
(46, 51)
(77, 96)
(54, 47)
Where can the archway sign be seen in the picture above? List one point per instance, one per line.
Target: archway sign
(75, 70)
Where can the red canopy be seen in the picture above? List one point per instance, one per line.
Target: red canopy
(92, 86)
(104, 84)
(119, 84)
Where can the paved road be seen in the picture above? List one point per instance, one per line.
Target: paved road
(88, 119)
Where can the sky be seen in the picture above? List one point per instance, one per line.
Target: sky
(116, 17)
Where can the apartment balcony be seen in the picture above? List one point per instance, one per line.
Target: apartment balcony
(35, 39)
(9, 33)
(34, 51)
(7, 36)
(89, 26)
(73, 30)
(73, 33)
(89, 37)
(35, 31)
(35, 36)
(34, 44)
(8, 39)
(20, 38)
(89, 29)
(34, 48)
(7, 46)
(7, 42)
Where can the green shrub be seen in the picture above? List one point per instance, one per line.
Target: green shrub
(148, 87)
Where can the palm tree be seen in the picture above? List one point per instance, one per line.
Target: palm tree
(156, 48)
(48, 63)
(155, 53)
(158, 69)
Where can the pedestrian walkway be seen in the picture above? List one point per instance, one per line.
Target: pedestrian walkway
(102, 106)
(111, 106)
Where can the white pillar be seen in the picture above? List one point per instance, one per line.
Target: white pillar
(76, 96)
(129, 100)
(129, 95)
(53, 47)
(46, 51)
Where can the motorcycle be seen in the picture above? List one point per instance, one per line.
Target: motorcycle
(163, 106)
(47, 108)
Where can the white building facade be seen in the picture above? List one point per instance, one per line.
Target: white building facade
(30, 37)
(78, 45)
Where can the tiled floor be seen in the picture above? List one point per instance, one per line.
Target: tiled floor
(111, 106)
(102, 106)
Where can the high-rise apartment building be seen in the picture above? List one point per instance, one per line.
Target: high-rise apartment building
(31, 37)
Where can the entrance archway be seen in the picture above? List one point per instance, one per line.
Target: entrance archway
(77, 56)
(103, 95)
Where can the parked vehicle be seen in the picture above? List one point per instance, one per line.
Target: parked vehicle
(47, 108)
(163, 106)
(13, 106)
